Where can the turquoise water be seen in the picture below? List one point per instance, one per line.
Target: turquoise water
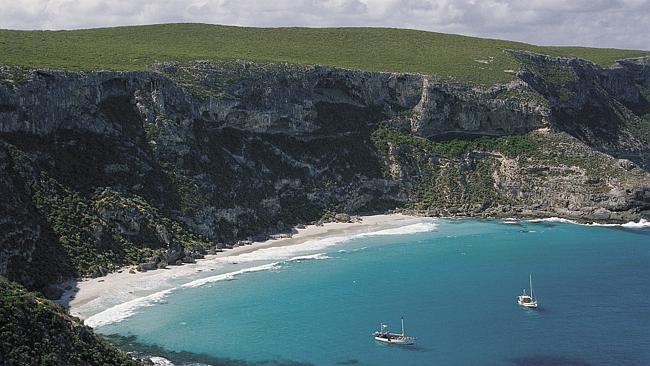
(455, 287)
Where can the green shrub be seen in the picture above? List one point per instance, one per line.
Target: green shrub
(510, 145)
(91, 242)
(35, 331)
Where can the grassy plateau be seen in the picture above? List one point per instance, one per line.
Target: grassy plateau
(461, 58)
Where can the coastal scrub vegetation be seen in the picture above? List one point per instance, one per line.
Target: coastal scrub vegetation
(558, 76)
(35, 331)
(106, 230)
(511, 145)
(455, 171)
(477, 60)
(462, 172)
(94, 227)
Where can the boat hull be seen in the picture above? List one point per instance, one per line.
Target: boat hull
(394, 338)
(525, 300)
(383, 335)
(530, 305)
(397, 341)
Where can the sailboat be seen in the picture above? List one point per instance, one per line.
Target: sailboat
(525, 300)
(384, 335)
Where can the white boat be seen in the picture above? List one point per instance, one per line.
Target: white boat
(525, 300)
(384, 335)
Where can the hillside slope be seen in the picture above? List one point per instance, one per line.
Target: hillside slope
(35, 331)
(448, 56)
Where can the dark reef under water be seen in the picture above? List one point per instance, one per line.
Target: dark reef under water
(131, 345)
(545, 360)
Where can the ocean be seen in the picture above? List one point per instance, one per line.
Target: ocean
(454, 282)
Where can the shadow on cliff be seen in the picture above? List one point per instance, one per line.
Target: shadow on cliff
(63, 293)
(36, 257)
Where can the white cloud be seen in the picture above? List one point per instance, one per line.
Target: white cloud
(601, 23)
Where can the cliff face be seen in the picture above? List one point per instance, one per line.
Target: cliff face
(606, 109)
(589, 162)
(109, 168)
(271, 98)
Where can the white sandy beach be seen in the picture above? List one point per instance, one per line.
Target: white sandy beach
(95, 295)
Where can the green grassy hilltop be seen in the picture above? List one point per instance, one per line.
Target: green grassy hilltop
(375, 49)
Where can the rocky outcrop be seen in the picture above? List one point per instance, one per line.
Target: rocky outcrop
(451, 110)
(157, 167)
(636, 68)
(604, 108)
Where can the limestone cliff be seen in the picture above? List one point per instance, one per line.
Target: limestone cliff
(104, 169)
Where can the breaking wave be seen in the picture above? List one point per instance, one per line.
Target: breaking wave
(278, 255)
(421, 227)
(230, 275)
(284, 252)
(641, 224)
(122, 311)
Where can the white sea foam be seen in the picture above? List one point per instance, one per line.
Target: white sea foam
(160, 361)
(555, 219)
(125, 310)
(318, 256)
(278, 255)
(122, 311)
(230, 275)
(288, 253)
(353, 250)
(637, 225)
(420, 227)
(265, 267)
(643, 223)
(628, 225)
(510, 220)
(284, 252)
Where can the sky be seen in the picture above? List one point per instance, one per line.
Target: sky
(596, 23)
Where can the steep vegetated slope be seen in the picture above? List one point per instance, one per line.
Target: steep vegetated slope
(35, 331)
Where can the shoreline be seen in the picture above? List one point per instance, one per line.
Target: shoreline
(521, 213)
(532, 216)
(90, 296)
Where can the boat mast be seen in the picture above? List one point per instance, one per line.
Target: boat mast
(402, 325)
(531, 286)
